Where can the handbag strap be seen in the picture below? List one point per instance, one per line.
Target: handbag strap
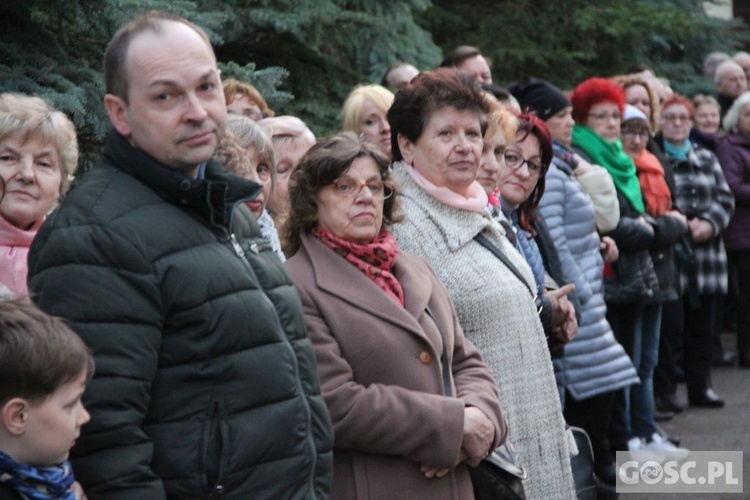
(482, 240)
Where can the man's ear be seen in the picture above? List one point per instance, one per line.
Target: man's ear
(407, 148)
(15, 416)
(118, 114)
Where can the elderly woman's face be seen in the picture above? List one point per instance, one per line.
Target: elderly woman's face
(447, 153)
(288, 155)
(352, 207)
(743, 120)
(492, 160)
(707, 118)
(32, 173)
(374, 126)
(676, 123)
(604, 119)
(517, 184)
(260, 172)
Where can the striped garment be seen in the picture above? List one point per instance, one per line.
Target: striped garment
(702, 191)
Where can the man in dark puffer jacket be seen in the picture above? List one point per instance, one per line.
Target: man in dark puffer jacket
(206, 383)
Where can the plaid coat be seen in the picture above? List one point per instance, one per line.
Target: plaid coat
(702, 191)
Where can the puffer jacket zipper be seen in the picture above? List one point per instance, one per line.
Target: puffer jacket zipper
(240, 252)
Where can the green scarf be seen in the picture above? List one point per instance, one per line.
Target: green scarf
(611, 156)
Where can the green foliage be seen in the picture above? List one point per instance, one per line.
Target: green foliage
(566, 42)
(305, 56)
(266, 80)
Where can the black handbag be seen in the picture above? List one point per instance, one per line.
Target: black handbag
(499, 476)
(583, 465)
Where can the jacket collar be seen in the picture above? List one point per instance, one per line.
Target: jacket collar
(737, 139)
(338, 277)
(12, 236)
(458, 227)
(213, 197)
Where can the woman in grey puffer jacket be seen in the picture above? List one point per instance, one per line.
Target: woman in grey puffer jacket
(594, 365)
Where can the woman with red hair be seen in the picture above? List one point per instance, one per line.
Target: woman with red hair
(703, 195)
(598, 107)
(520, 184)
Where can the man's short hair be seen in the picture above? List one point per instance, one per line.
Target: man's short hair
(723, 67)
(460, 54)
(115, 57)
(398, 64)
(711, 61)
(38, 353)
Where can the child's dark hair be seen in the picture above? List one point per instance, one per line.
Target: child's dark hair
(38, 353)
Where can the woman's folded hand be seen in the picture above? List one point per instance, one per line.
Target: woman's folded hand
(478, 435)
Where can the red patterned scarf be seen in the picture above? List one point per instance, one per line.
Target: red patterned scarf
(653, 184)
(375, 259)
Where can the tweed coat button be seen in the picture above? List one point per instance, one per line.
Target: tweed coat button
(425, 357)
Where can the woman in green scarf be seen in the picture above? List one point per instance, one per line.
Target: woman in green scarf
(630, 282)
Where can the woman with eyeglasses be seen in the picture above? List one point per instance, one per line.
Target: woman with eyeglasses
(657, 186)
(520, 185)
(598, 107)
(438, 122)
(412, 403)
(593, 365)
(703, 195)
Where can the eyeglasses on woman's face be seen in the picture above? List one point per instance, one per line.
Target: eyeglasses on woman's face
(675, 117)
(351, 188)
(514, 161)
(605, 117)
(633, 133)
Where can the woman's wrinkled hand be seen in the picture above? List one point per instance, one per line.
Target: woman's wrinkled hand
(675, 214)
(567, 331)
(701, 230)
(479, 432)
(430, 472)
(609, 250)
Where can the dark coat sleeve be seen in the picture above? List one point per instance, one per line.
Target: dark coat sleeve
(630, 234)
(113, 304)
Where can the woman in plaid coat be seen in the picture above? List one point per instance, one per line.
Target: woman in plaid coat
(703, 195)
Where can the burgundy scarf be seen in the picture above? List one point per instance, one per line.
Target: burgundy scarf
(375, 259)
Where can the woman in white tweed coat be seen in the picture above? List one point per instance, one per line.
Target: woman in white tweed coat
(437, 124)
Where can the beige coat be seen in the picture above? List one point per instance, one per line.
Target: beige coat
(498, 315)
(382, 379)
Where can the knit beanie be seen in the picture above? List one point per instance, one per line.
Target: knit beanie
(541, 97)
(633, 112)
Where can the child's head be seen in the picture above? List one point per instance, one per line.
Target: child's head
(44, 368)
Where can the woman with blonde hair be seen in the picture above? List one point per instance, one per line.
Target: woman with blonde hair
(364, 113)
(38, 157)
(640, 93)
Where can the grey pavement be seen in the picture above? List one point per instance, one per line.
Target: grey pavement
(725, 429)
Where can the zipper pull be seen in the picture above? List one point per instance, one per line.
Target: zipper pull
(236, 245)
